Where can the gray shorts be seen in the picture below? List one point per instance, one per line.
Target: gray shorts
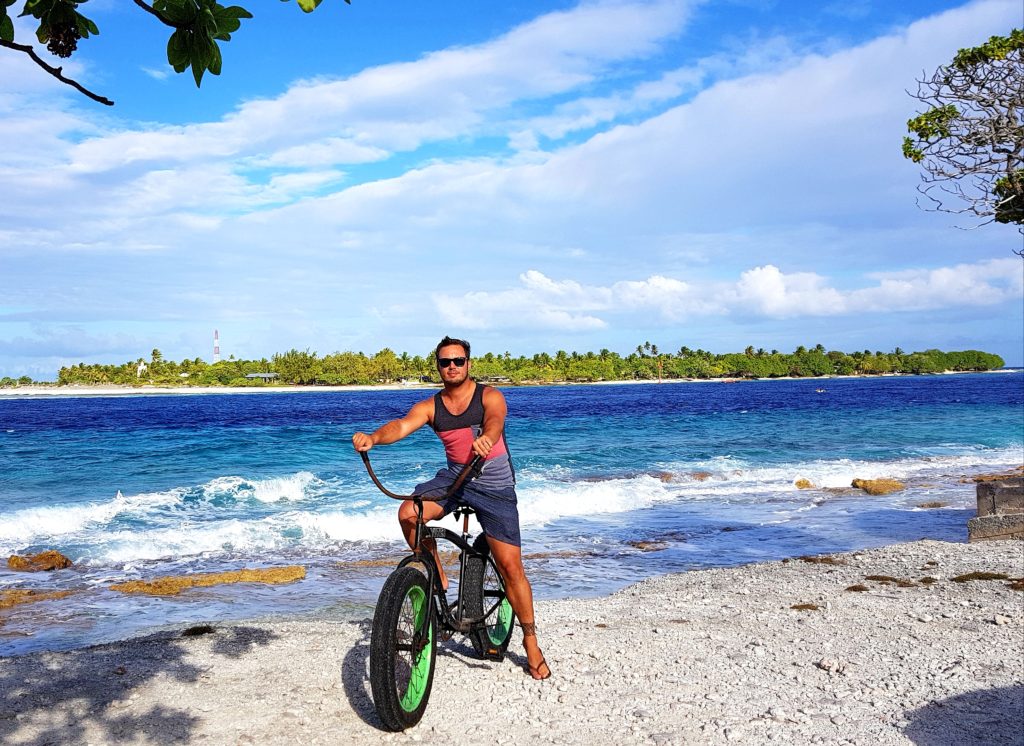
(496, 509)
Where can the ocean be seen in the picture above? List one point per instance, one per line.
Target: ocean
(616, 483)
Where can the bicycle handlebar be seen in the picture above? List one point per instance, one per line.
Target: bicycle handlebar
(467, 470)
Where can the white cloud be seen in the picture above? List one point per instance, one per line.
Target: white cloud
(588, 112)
(322, 153)
(162, 73)
(541, 302)
(400, 106)
(981, 284)
(769, 292)
(763, 291)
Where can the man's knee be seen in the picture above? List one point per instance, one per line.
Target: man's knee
(511, 569)
(407, 512)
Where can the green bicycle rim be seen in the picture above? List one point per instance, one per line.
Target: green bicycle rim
(420, 675)
(498, 632)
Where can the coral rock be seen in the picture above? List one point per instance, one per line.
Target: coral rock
(48, 560)
(878, 486)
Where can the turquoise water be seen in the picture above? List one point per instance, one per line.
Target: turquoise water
(136, 487)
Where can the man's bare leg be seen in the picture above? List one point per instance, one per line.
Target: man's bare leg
(407, 519)
(509, 559)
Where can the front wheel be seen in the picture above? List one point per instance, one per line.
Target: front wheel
(484, 596)
(402, 648)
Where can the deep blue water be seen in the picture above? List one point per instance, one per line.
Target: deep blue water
(135, 487)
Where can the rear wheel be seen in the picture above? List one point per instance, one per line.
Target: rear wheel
(402, 648)
(484, 596)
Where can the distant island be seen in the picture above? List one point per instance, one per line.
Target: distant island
(647, 362)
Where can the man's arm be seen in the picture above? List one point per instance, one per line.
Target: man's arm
(395, 430)
(495, 411)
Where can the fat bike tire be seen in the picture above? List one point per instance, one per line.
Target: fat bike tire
(403, 644)
(483, 589)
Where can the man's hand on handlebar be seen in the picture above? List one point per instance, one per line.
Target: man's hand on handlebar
(362, 442)
(482, 446)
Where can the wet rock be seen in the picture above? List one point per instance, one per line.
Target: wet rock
(878, 486)
(648, 546)
(44, 561)
(804, 484)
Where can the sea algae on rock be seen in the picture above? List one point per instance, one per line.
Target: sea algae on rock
(20, 596)
(172, 585)
(878, 486)
(804, 484)
(48, 560)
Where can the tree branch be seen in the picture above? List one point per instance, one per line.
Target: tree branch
(57, 72)
(149, 9)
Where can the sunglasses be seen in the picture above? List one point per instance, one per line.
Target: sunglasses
(444, 362)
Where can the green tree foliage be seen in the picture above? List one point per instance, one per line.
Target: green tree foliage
(345, 368)
(199, 29)
(9, 383)
(969, 140)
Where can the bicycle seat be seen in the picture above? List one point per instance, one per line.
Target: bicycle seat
(462, 510)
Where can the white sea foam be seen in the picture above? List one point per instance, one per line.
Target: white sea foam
(85, 523)
(729, 476)
(141, 527)
(378, 524)
(268, 490)
(292, 530)
(542, 503)
(29, 525)
(210, 539)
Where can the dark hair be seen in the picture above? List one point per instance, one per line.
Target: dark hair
(451, 341)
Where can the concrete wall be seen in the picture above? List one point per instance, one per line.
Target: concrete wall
(1000, 509)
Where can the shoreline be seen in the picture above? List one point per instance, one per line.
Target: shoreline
(707, 656)
(117, 390)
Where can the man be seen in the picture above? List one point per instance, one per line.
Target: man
(470, 419)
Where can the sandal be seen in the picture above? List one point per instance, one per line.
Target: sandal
(534, 671)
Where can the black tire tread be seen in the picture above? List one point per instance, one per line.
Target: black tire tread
(383, 640)
(473, 598)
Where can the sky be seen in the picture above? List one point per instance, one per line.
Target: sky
(530, 176)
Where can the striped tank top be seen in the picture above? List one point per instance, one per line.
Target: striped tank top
(457, 433)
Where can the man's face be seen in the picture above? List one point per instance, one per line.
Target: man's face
(451, 373)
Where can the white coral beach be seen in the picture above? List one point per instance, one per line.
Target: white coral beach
(713, 656)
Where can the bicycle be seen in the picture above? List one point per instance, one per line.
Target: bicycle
(413, 611)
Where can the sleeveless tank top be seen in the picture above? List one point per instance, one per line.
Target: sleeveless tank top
(457, 433)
